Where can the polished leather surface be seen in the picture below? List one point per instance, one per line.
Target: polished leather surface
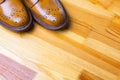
(13, 13)
(1, 1)
(47, 12)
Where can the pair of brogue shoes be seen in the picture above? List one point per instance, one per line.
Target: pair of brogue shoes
(17, 15)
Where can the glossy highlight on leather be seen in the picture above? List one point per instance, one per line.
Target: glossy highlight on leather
(48, 13)
(14, 15)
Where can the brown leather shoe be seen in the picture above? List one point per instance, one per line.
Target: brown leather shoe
(48, 13)
(14, 15)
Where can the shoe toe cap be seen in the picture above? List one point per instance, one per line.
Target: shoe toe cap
(54, 19)
(15, 20)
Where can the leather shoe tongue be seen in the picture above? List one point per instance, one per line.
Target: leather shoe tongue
(31, 3)
(1, 1)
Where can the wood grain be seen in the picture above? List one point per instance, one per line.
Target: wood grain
(88, 50)
(11, 70)
(88, 76)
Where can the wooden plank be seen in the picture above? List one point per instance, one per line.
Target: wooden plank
(88, 49)
(88, 76)
(12, 70)
(97, 21)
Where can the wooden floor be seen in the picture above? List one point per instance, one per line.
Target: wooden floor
(88, 50)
